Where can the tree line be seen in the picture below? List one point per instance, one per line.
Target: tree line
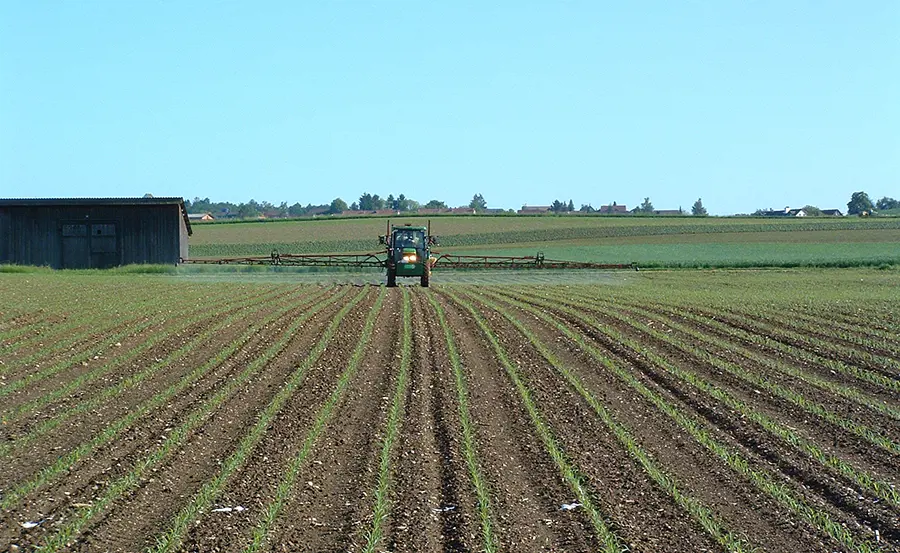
(860, 204)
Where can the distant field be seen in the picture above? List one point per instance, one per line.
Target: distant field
(651, 242)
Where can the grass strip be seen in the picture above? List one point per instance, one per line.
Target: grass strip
(381, 507)
(67, 461)
(470, 451)
(610, 542)
(172, 538)
(701, 513)
(179, 435)
(763, 479)
(93, 403)
(860, 477)
(69, 387)
(286, 485)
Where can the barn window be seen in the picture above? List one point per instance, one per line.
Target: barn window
(103, 238)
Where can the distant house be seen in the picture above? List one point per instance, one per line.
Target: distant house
(463, 210)
(319, 210)
(786, 212)
(433, 210)
(668, 212)
(832, 213)
(533, 209)
(200, 217)
(613, 209)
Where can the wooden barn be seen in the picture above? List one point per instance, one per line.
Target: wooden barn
(82, 233)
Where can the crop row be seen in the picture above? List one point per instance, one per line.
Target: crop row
(192, 421)
(765, 480)
(117, 427)
(864, 479)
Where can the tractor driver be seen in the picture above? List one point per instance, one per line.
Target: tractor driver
(407, 239)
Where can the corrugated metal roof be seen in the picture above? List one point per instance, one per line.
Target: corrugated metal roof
(90, 201)
(37, 202)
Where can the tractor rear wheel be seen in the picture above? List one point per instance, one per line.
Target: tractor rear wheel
(426, 276)
(391, 278)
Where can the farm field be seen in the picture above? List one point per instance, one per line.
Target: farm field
(722, 411)
(649, 241)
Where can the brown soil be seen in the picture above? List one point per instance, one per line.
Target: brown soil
(432, 502)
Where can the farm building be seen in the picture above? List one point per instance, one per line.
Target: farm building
(81, 233)
(200, 217)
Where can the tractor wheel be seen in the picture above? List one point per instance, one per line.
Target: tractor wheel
(426, 277)
(391, 278)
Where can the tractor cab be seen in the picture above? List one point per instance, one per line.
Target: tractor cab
(408, 253)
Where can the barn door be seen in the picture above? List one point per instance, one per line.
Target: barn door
(104, 246)
(75, 246)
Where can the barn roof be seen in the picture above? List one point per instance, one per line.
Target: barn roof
(37, 202)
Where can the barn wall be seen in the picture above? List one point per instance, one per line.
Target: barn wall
(121, 234)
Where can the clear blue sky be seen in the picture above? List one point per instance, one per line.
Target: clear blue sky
(746, 104)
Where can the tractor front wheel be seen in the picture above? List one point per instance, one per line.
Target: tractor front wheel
(426, 276)
(391, 278)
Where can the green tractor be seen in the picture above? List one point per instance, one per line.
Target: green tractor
(408, 253)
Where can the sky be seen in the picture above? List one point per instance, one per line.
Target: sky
(745, 104)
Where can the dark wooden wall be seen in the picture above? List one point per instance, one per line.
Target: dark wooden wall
(92, 236)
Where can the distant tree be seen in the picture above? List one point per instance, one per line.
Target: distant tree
(760, 212)
(887, 203)
(586, 208)
(646, 206)
(337, 206)
(478, 203)
(859, 203)
(435, 204)
(296, 210)
(698, 208)
(354, 206)
(378, 203)
(405, 204)
(391, 203)
(812, 211)
(248, 210)
(366, 203)
(557, 206)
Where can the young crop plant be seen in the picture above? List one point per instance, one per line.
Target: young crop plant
(862, 478)
(862, 431)
(271, 512)
(210, 490)
(763, 479)
(95, 324)
(71, 386)
(470, 452)
(693, 506)
(179, 435)
(765, 341)
(826, 348)
(610, 542)
(381, 508)
(113, 391)
(813, 379)
(865, 337)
